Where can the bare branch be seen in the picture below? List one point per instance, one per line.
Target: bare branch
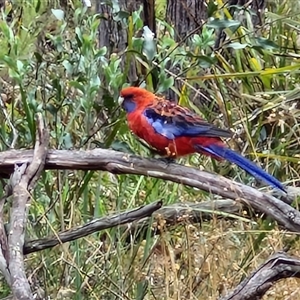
(22, 182)
(141, 218)
(121, 163)
(3, 244)
(278, 266)
(4, 255)
(91, 227)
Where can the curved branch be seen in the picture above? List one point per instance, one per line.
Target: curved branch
(171, 214)
(91, 227)
(278, 266)
(123, 163)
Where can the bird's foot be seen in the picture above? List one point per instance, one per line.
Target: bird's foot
(170, 153)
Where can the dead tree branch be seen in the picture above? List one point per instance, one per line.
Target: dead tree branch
(122, 163)
(278, 266)
(92, 227)
(141, 218)
(3, 242)
(22, 182)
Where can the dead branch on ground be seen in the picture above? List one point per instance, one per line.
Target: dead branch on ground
(278, 266)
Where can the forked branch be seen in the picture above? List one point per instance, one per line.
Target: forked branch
(22, 182)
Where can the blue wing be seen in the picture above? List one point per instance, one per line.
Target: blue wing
(172, 120)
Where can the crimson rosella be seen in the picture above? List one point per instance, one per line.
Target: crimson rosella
(176, 131)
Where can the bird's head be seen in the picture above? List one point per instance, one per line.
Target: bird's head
(132, 98)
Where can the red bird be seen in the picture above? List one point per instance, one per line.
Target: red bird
(176, 131)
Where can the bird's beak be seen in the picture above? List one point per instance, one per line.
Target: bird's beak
(120, 100)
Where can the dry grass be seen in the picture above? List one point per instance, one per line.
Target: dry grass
(193, 263)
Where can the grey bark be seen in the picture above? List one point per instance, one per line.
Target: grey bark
(22, 182)
(122, 163)
(141, 218)
(278, 266)
(112, 33)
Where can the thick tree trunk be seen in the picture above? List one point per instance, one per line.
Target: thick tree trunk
(111, 32)
(186, 16)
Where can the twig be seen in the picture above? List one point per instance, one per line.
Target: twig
(22, 182)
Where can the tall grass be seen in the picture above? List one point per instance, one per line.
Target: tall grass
(50, 62)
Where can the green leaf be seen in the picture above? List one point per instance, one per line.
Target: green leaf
(137, 44)
(266, 43)
(58, 13)
(28, 113)
(7, 31)
(10, 62)
(68, 66)
(77, 85)
(221, 24)
(38, 6)
(78, 36)
(95, 81)
(206, 61)
(237, 46)
(165, 83)
(167, 42)
(101, 52)
(20, 66)
(262, 134)
(123, 14)
(149, 45)
(66, 140)
(15, 75)
(136, 18)
(212, 7)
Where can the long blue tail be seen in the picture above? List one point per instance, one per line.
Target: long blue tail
(243, 163)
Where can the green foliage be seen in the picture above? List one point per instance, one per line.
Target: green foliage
(50, 62)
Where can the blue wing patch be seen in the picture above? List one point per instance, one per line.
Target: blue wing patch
(171, 121)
